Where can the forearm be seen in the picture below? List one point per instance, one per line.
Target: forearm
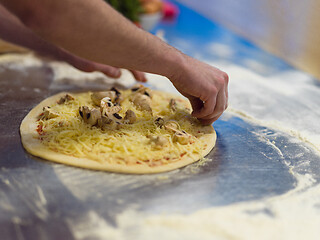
(12, 30)
(93, 30)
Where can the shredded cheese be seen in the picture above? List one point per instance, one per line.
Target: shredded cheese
(69, 134)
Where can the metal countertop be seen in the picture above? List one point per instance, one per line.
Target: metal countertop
(38, 199)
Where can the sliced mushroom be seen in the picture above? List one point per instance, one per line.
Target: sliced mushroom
(95, 116)
(65, 98)
(146, 91)
(159, 122)
(136, 87)
(158, 141)
(181, 137)
(172, 125)
(130, 117)
(117, 116)
(96, 97)
(118, 99)
(104, 122)
(142, 102)
(90, 116)
(107, 107)
(114, 89)
(48, 113)
(106, 102)
(173, 104)
(139, 88)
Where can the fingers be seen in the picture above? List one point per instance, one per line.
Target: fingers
(214, 105)
(209, 121)
(139, 76)
(110, 71)
(208, 106)
(206, 109)
(220, 106)
(196, 104)
(88, 66)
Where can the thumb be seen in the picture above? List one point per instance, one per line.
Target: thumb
(196, 104)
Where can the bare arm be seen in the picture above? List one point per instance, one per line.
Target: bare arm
(12, 30)
(93, 30)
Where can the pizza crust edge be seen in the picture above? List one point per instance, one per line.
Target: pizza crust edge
(33, 145)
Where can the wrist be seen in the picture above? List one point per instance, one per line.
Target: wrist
(173, 64)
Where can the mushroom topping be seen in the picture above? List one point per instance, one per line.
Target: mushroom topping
(107, 107)
(136, 87)
(172, 125)
(130, 117)
(159, 122)
(48, 113)
(108, 123)
(96, 97)
(65, 98)
(117, 116)
(173, 104)
(109, 110)
(158, 141)
(118, 93)
(106, 102)
(104, 121)
(118, 99)
(142, 102)
(181, 137)
(139, 88)
(90, 116)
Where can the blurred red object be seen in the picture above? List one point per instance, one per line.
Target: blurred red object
(170, 10)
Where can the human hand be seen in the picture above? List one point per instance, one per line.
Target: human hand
(89, 66)
(205, 86)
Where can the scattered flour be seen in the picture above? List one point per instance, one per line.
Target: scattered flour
(294, 215)
(287, 101)
(20, 61)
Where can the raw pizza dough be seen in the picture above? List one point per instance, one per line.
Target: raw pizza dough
(34, 144)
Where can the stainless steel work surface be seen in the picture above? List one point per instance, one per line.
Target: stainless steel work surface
(251, 161)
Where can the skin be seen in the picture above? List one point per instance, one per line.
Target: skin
(95, 31)
(14, 31)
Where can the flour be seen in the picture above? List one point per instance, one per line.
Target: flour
(66, 76)
(287, 101)
(293, 215)
(20, 62)
(92, 226)
(268, 101)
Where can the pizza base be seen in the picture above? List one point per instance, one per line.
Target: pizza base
(31, 143)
